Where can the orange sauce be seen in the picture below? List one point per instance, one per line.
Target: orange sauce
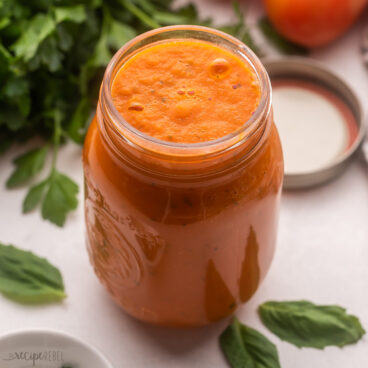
(186, 91)
(176, 250)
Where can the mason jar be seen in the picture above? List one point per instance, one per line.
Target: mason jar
(181, 234)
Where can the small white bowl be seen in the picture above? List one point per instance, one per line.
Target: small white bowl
(48, 349)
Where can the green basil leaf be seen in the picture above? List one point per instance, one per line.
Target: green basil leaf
(27, 278)
(60, 199)
(27, 165)
(245, 347)
(305, 324)
(34, 196)
(38, 29)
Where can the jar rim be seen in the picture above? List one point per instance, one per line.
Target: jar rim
(143, 141)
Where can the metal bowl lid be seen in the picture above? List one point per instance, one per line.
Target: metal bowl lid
(319, 119)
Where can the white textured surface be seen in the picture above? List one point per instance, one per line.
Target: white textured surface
(322, 255)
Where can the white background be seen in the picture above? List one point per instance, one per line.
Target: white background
(322, 256)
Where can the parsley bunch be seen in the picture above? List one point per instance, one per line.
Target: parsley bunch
(52, 55)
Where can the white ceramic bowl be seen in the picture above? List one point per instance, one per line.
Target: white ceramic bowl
(48, 349)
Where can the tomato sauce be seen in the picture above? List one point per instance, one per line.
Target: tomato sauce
(186, 91)
(181, 236)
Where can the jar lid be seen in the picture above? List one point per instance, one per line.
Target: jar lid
(319, 119)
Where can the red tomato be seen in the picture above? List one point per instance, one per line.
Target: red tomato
(313, 22)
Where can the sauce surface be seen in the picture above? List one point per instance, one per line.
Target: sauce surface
(186, 91)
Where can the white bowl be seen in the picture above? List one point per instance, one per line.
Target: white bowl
(48, 349)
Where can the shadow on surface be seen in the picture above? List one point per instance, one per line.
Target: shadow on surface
(175, 340)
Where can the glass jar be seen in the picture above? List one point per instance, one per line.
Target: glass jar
(181, 234)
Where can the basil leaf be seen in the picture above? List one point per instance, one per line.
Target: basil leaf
(61, 198)
(27, 165)
(245, 347)
(27, 278)
(305, 324)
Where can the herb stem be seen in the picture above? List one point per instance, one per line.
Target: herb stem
(142, 16)
(56, 138)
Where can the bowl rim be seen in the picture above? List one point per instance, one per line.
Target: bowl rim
(57, 334)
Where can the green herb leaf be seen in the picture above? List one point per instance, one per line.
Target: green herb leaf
(34, 196)
(5, 60)
(16, 89)
(76, 14)
(119, 34)
(76, 127)
(65, 38)
(305, 324)
(48, 54)
(240, 30)
(166, 18)
(245, 347)
(4, 22)
(27, 165)
(279, 41)
(38, 29)
(102, 54)
(13, 119)
(139, 14)
(60, 199)
(27, 278)
(52, 55)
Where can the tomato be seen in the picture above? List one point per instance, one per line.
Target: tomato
(313, 23)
